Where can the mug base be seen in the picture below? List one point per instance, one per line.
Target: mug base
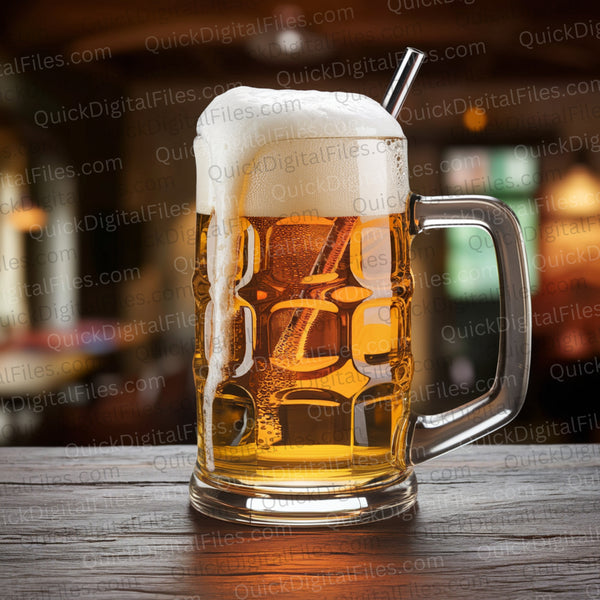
(298, 510)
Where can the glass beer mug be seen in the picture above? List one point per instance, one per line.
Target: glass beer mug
(303, 361)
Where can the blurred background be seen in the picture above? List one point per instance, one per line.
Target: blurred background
(98, 104)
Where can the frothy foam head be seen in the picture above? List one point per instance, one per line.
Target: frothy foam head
(241, 151)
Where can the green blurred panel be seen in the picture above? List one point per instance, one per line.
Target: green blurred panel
(472, 274)
(471, 265)
(471, 260)
(512, 174)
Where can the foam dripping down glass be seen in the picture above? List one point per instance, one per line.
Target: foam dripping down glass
(303, 289)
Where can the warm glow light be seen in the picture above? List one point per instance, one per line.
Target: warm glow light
(575, 199)
(475, 119)
(24, 220)
(578, 193)
(290, 41)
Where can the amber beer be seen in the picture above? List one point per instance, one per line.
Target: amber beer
(316, 390)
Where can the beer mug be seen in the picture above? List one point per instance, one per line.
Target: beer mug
(303, 361)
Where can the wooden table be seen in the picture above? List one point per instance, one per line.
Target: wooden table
(506, 522)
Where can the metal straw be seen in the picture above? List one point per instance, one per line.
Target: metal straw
(402, 80)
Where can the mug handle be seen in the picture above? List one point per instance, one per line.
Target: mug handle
(432, 435)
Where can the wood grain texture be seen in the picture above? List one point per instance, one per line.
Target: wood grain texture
(492, 522)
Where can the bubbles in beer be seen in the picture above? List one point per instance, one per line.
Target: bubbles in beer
(324, 396)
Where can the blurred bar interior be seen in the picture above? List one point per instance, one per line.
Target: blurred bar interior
(98, 104)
